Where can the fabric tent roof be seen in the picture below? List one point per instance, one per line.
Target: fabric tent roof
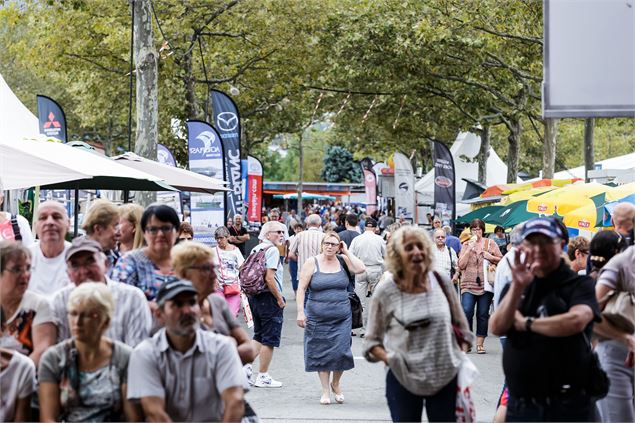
(54, 165)
(17, 122)
(626, 161)
(181, 179)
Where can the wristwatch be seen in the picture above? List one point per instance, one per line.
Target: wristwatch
(528, 322)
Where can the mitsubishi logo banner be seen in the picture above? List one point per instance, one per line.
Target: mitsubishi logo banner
(254, 189)
(205, 151)
(52, 118)
(370, 184)
(227, 122)
(444, 181)
(404, 187)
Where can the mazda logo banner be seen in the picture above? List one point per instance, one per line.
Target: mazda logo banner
(444, 184)
(205, 151)
(52, 118)
(227, 122)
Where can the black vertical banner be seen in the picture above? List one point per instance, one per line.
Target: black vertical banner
(444, 183)
(52, 118)
(227, 123)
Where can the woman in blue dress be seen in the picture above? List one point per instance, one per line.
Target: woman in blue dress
(327, 320)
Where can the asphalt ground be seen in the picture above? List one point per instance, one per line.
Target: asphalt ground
(363, 387)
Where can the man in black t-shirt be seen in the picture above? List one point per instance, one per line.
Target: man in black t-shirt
(547, 313)
(351, 229)
(238, 235)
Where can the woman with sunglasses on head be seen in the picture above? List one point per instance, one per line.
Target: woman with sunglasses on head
(410, 329)
(160, 225)
(27, 323)
(85, 378)
(328, 318)
(477, 259)
(228, 261)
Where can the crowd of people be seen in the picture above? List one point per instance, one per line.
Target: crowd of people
(136, 320)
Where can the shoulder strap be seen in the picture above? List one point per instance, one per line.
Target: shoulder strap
(317, 264)
(16, 228)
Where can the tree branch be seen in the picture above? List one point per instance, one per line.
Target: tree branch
(95, 63)
(345, 91)
(222, 34)
(208, 21)
(511, 36)
(514, 70)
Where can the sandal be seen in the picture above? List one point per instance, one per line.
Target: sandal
(339, 398)
(480, 349)
(325, 400)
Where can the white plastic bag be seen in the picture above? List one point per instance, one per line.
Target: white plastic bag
(465, 409)
(246, 310)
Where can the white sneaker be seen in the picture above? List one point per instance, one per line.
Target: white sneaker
(249, 372)
(265, 381)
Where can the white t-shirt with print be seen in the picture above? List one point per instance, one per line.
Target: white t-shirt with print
(33, 310)
(23, 224)
(48, 275)
(227, 264)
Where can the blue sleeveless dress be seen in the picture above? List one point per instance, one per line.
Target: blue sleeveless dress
(327, 332)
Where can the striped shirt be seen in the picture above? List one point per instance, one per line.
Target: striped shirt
(306, 244)
(444, 260)
(131, 320)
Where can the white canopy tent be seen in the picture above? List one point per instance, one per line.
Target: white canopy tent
(17, 122)
(464, 151)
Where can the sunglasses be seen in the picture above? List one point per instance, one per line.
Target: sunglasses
(276, 232)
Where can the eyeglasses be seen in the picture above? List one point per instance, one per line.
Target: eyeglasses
(90, 315)
(277, 232)
(19, 270)
(153, 230)
(476, 229)
(204, 268)
(75, 266)
(440, 237)
(331, 244)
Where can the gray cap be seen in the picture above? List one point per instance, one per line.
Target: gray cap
(83, 243)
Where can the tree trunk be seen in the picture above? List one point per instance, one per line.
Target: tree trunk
(515, 130)
(589, 161)
(483, 154)
(192, 109)
(549, 151)
(146, 64)
(300, 173)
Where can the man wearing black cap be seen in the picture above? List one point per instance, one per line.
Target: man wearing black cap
(370, 248)
(86, 262)
(184, 373)
(547, 313)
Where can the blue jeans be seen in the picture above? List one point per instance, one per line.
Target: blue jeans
(408, 407)
(293, 271)
(482, 303)
(570, 409)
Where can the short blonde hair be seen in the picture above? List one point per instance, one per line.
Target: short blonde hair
(132, 213)
(101, 212)
(96, 294)
(395, 249)
(186, 253)
(329, 234)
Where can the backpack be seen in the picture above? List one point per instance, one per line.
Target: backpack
(252, 273)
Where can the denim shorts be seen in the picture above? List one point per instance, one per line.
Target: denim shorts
(267, 319)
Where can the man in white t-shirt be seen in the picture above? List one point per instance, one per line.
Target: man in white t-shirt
(48, 266)
(14, 227)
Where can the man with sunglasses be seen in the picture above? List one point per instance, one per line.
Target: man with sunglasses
(547, 313)
(267, 307)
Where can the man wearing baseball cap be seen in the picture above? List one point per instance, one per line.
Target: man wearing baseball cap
(86, 262)
(547, 313)
(183, 373)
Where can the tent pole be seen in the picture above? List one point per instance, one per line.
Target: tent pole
(76, 223)
(126, 196)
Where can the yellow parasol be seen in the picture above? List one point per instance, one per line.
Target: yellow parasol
(564, 200)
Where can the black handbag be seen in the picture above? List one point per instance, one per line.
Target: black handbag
(356, 303)
(356, 310)
(598, 382)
